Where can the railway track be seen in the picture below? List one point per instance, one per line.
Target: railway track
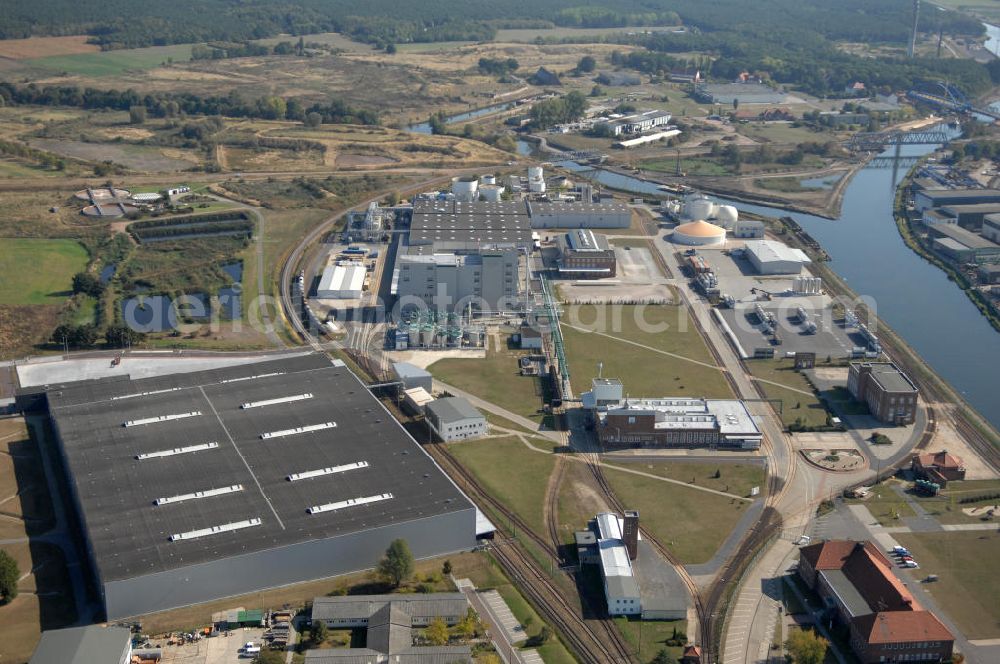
(586, 637)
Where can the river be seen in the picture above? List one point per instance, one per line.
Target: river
(914, 297)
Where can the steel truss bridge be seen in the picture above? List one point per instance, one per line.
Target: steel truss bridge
(877, 141)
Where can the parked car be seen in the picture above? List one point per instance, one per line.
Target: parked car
(803, 539)
(899, 549)
(911, 564)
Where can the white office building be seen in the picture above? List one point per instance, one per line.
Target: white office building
(454, 418)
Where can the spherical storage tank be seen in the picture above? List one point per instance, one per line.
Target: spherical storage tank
(699, 207)
(727, 215)
(699, 233)
(491, 192)
(465, 188)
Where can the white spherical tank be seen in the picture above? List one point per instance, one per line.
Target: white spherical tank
(465, 188)
(699, 207)
(727, 216)
(491, 192)
(534, 172)
(487, 179)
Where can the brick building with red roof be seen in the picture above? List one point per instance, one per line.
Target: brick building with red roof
(941, 467)
(886, 623)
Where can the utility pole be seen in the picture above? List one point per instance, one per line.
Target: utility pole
(913, 33)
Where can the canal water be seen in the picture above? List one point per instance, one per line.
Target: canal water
(425, 127)
(914, 297)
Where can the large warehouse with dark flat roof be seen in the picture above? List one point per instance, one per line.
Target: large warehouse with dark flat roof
(198, 486)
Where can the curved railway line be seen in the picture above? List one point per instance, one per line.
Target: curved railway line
(598, 641)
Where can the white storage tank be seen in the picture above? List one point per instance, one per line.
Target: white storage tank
(534, 172)
(491, 192)
(465, 188)
(727, 216)
(487, 179)
(699, 207)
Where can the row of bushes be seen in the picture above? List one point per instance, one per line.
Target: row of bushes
(231, 215)
(219, 228)
(982, 496)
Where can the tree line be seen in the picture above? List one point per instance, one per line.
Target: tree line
(166, 104)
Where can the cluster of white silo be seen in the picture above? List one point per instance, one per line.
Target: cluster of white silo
(701, 207)
(471, 188)
(807, 285)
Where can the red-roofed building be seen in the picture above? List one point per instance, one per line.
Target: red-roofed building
(886, 623)
(940, 467)
(692, 655)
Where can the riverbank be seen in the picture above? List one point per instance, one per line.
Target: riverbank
(934, 388)
(909, 235)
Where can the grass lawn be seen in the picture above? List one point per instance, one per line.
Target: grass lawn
(968, 589)
(553, 652)
(784, 185)
(796, 405)
(782, 133)
(39, 271)
(495, 379)
(886, 505)
(736, 478)
(644, 372)
(691, 523)
(114, 63)
(689, 165)
(513, 474)
(946, 508)
(648, 637)
(577, 502)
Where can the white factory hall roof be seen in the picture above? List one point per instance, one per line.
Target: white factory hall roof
(731, 416)
(769, 251)
(342, 278)
(614, 555)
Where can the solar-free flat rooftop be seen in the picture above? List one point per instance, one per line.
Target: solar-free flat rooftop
(130, 535)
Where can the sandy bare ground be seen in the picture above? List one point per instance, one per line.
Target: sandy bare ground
(40, 47)
(946, 438)
(425, 358)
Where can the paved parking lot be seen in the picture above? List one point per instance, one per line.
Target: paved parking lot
(216, 650)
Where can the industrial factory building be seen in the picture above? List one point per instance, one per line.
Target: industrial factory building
(770, 257)
(342, 282)
(486, 282)
(617, 546)
(584, 254)
(970, 217)
(890, 394)
(582, 214)
(676, 422)
(636, 123)
(991, 227)
(389, 621)
(454, 418)
(197, 486)
(412, 376)
(964, 246)
(92, 644)
(935, 198)
(457, 226)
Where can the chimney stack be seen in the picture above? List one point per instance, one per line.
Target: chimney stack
(630, 533)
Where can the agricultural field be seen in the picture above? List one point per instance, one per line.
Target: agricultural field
(968, 589)
(36, 47)
(672, 358)
(102, 64)
(39, 271)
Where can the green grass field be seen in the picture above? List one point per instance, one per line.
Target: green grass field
(495, 379)
(735, 478)
(968, 589)
(886, 505)
(648, 637)
(39, 271)
(511, 472)
(644, 372)
(114, 63)
(691, 523)
(796, 406)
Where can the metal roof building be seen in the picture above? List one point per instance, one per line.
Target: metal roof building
(198, 486)
(770, 257)
(342, 282)
(454, 418)
(92, 644)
